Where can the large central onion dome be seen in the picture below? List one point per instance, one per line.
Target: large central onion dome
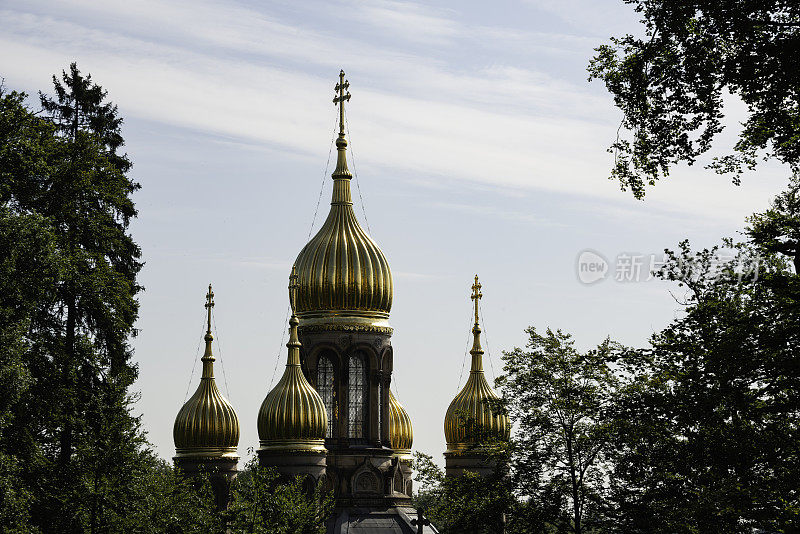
(207, 425)
(344, 277)
(470, 421)
(293, 416)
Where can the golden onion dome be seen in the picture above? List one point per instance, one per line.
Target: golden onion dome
(470, 421)
(401, 435)
(293, 416)
(343, 275)
(207, 425)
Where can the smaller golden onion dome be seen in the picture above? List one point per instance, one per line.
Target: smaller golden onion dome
(293, 416)
(469, 420)
(344, 278)
(401, 435)
(207, 425)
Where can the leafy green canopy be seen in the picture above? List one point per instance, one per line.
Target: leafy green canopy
(265, 504)
(671, 85)
(468, 504)
(708, 427)
(559, 398)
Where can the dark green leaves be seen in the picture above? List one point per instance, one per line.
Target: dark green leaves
(670, 85)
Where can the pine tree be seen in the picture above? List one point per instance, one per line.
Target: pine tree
(84, 448)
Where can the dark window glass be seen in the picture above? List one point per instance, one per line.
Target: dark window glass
(325, 388)
(355, 399)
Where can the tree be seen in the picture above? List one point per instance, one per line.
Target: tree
(165, 501)
(777, 230)
(671, 85)
(65, 200)
(709, 427)
(469, 503)
(264, 504)
(29, 269)
(558, 397)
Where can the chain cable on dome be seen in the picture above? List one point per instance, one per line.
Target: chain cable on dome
(486, 338)
(280, 347)
(310, 229)
(355, 175)
(466, 351)
(194, 365)
(219, 349)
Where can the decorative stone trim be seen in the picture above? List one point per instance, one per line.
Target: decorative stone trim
(357, 328)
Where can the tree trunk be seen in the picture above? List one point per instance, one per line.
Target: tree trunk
(65, 452)
(576, 511)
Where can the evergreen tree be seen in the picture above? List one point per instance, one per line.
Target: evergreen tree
(29, 271)
(78, 444)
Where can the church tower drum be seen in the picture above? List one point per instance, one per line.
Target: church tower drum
(292, 419)
(344, 297)
(470, 425)
(206, 430)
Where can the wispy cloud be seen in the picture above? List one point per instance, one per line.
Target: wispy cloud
(249, 75)
(497, 212)
(407, 20)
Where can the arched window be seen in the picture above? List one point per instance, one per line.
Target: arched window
(326, 388)
(357, 386)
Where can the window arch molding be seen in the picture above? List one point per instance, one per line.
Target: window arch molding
(324, 369)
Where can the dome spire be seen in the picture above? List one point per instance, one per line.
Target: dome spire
(341, 191)
(208, 357)
(476, 351)
(292, 416)
(207, 425)
(343, 275)
(294, 341)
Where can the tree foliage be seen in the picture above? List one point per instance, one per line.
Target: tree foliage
(72, 456)
(671, 84)
(265, 504)
(709, 425)
(468, 504)
(558, 397)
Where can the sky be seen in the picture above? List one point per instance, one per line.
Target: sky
(478, 145)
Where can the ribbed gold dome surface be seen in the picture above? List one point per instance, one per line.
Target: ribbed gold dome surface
(401, 435)
(472, 404)
(293, 416)
(343, 275)
(207, 425)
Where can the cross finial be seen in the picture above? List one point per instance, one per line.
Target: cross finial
(342, 95)
(476, 295)
(293, 286)
(209, 304)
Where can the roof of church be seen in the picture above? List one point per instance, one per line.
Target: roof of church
(292, 416)
(387, 521)
(343, 275)
(469, 420)
(207, 425)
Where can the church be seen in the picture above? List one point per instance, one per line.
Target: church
(332, 418)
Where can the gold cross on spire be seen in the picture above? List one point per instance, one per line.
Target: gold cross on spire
(342, 95)
(476, 296)
(209, 305)
(293, 286)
